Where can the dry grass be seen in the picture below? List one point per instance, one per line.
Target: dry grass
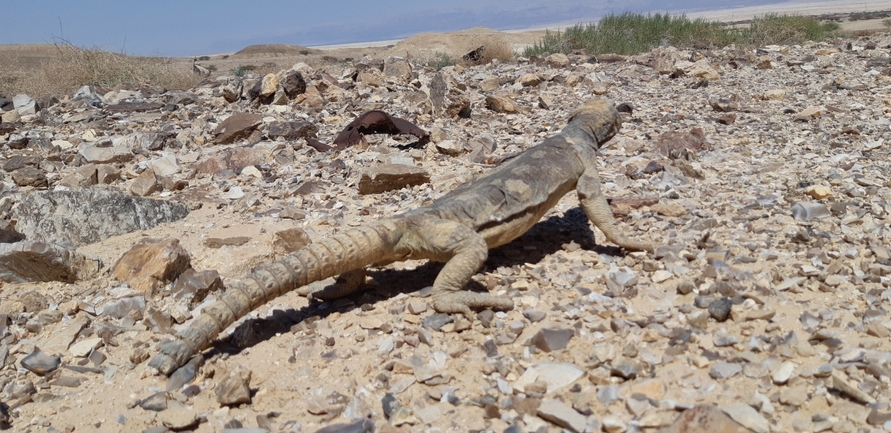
(71, 67)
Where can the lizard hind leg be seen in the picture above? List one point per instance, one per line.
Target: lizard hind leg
(347, 283)
(464, 251)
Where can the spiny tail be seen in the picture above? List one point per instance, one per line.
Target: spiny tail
(350, 250)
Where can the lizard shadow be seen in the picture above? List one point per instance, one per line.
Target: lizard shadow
(545, 238)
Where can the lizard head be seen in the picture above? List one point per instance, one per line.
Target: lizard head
(597, 118)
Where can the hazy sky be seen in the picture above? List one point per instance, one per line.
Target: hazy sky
(181, 28)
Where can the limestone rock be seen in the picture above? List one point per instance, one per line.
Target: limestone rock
(448, 96)
(234, 388)
(33, 261)
(236, 127)
(152, 263)
(84, 216)
(501, 104)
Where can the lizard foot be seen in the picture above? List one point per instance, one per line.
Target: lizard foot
(462, 302)
(171, 351)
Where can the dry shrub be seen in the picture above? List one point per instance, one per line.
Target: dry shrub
(72, 67)
(495, 48)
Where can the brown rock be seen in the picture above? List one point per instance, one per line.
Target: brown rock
(529, 80)
(30, 176)
(292, 130)
(501, 104)
(30, 261)
(557, 60)
(147, 183)
(388, 177)
(152, 263)
(236, 127)
(234, 389)
(294, 84)
(289, 240)
(682, 145)
(448, 96)
(397, 69)
(704, 419)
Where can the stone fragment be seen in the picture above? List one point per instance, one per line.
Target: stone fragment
(178, 419)
(774, 95)
(528, 80)
(84, 216)
(562, 415)
(809, 211)
(682, 145)
(234, 388)
(362, 425)
(236, 127)
(102, 154)
(34, 261)
(705, 419)
(724, 370)
(549, 340)
(84, 347)
(747, 416)
(625, 368)
(819, 192)
(448, 96)
(388, 177)
(450, 147)
(294, 84)
(557, 60)
(124, 307)
(155, 402)
(841, 384)
(152, 263)
(501, 104)
(397, 70)
(808, 114)
(556, 375)
(719, 309)
(291, 130)
(268, 85)
(133, 107)
(24, 105)
(195, 285)
(30, 176)
(147, 183)
(164, 165)
(289, 240)
(40, 363)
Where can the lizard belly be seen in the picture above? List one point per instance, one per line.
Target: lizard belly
(516, 225)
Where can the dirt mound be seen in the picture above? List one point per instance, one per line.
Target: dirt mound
(456, 44)
(271, 50)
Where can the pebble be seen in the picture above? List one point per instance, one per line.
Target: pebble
(40, 363)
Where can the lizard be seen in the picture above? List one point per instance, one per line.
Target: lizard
(457, 229)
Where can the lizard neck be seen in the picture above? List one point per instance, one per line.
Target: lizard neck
(580, 136)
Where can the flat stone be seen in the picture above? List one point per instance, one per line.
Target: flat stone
(388, 177)
(809, 211)
(549, 340)
(40, 363)
(556, 375)
(30, 176)
(363, 425)
(236, 127)
(196, 285)
(448, 96)
(178, 418)
(747, 416)
(96, 154)
(562, 415)
(841, 384)
(501, 104)
(724, 370)
(83, 348)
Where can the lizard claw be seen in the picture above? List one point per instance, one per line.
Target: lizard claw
(462, 302)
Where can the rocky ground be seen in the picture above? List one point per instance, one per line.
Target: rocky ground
(764, 175)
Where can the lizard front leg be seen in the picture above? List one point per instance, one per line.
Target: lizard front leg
(463, 251)
(598, 211)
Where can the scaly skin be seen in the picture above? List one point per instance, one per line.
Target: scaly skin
(458, 229)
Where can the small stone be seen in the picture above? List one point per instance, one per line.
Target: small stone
(289, 240)
(390, 177)
(719, 309)
(625, 369)
(156, 402)
(30, 176)
(809, 211)
(808, 114)
(819, 192)
(549, 340)
(562, 415)
(724, 370)
(534, 315)
(747, 416)
(84, 347)
(152, 263)
(363, 425)
(841, 384)
(146, 184)
(268, 85)
(556, 375)
(234, 388)
(450, 147)
(557, 60)
(40, 363)
(501, 104)
(236, 127)
(178, 418)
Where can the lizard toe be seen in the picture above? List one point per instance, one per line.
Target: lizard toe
(463, 302)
